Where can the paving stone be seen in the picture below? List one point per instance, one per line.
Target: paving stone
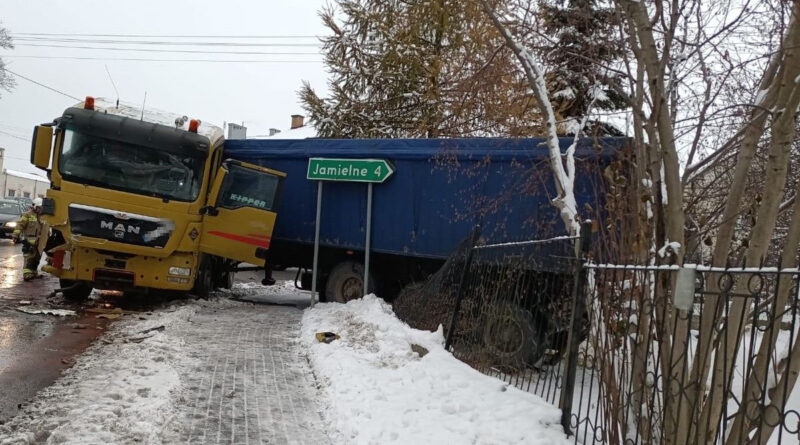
(250, 384)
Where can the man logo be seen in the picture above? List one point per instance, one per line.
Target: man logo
(120, 229)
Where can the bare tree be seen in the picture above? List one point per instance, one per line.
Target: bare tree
(6, 81)
(664, 36)
(705, 82)
(562, 164)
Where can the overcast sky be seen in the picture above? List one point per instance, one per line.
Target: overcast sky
(262, 95)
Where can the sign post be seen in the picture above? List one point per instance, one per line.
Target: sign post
(316, 245)
(369, 238)
(369, 171)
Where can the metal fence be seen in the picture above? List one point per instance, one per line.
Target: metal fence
(506, 309)
(687, 356)
(642, 355)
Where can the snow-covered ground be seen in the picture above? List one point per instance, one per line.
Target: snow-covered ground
(225, 371)
(119, 391)
(380, 391)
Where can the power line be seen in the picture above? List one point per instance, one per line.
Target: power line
(171, 50)
(131, 59)
(17, 157)
(165, 36)
(41, 84)
(14, 136)
(161, 42)
(12, 127)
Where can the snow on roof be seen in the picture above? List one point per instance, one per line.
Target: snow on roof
(20, 174)
(304, 132)
(169, 119)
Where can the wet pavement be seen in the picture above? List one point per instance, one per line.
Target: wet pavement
(35, 348)
(230, 369)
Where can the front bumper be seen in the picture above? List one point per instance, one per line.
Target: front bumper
(6, 231)
(125, 272)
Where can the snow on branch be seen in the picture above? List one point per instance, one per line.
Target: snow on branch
(564, 176)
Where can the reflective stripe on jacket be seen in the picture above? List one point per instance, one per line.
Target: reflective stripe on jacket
(29, 225)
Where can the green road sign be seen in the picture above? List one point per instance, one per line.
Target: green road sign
(351, 170)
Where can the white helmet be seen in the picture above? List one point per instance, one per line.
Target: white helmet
(37, 202)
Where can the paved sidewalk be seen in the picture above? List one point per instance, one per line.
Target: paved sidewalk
(250, 383)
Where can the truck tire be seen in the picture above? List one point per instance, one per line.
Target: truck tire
(79, 293)
(513, 338)
(223, 280)
(204, 282)
(222, 276)
(346, 282)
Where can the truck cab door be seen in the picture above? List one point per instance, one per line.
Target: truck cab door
(241, 211)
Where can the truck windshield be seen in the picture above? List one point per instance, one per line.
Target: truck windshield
(122, 166)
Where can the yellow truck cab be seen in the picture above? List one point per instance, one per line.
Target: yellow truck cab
(144, 200)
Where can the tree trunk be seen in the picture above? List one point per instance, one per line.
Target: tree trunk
(782, 135)
(713, 304)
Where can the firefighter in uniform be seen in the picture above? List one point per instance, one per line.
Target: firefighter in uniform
(28, 230)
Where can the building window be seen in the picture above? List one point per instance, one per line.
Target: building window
(11, 193)
(26, 194)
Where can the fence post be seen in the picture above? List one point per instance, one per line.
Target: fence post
(476, 233)
(575, 327)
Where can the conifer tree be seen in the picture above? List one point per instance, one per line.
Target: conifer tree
(581, 45)
(417, 68)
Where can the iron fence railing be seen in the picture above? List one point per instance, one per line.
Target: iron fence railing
(631, 354)
(506, 309)
(688, 355)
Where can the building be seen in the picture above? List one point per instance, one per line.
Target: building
(236, 131)
(297, 130)
(20, 184)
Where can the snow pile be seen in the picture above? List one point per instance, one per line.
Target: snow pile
(283, 292)
(383, 392)
(46, 311)
(120, 391)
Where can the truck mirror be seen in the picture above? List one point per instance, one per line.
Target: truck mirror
(41, 145)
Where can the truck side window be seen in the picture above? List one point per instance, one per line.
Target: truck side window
(248, 188)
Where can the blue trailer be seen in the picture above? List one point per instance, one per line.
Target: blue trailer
(440, 190)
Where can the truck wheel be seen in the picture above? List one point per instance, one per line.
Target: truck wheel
(512, 337)
(204, 282)
(346, 282)
(221, 276)
(224, 280)
(78, 293)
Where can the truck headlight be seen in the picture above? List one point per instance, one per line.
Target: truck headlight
(180, 271)
(11, 224)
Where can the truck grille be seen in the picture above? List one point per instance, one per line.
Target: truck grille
(114, 279)
(115, 264)
(113, 225)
